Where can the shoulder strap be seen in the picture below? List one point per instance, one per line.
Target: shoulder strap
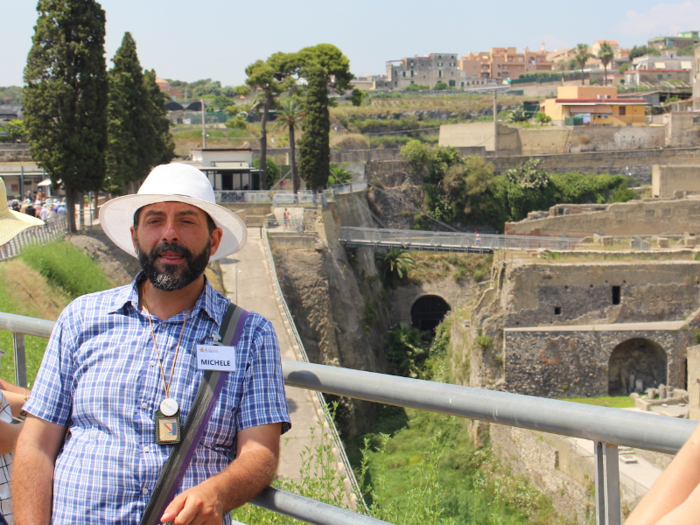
(181, 455)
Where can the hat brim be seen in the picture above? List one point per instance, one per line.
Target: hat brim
(117, 217)
(12, 223)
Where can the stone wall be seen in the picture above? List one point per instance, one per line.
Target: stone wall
(667, 180)
(550, 329)
(636, 163)
(552, 465)
(582, 293)
(559, 364)
(642, 217)
(480, 134)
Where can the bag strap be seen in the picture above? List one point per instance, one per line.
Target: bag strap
(202, 408)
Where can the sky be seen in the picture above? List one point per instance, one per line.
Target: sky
(217, 39)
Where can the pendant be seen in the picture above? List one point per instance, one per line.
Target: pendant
(167, 428)
(169, 407)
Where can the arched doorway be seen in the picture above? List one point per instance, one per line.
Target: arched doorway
(428, 312)
(632, 360)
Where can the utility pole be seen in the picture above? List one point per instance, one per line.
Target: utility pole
(204, 128)
(495, 123)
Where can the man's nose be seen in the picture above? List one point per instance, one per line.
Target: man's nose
(171, 231)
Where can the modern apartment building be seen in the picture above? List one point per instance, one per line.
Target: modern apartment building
(427, 70)
(683, 39)
(503, 63)
(654, 69)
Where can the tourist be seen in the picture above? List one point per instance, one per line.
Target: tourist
(30, 210)
(285, 219)
(104, 376)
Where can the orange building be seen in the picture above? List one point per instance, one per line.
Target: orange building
(503, 63)
(595, 105)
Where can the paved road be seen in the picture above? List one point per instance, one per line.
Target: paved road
(255, 293)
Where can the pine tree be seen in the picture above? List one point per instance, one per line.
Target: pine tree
(65, 96)
(131, 135)
(314, 147)
(164, 150)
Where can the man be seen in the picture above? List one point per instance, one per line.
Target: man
(117, 358)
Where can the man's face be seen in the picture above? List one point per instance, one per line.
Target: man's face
(173, 244)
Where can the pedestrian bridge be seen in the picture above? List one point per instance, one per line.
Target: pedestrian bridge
(416, 240)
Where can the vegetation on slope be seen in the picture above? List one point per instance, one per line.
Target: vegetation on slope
(466, 191)
(40, 284)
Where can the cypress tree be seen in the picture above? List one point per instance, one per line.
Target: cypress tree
(164, 145)
(314, 147)
(65, 96)
(131, 135)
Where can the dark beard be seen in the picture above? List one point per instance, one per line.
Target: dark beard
(172, 278)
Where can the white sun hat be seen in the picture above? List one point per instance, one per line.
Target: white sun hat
(172, 183)
(13, 222)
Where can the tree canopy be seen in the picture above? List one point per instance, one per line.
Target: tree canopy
(65, 95)
(273, 77)
(334, 63)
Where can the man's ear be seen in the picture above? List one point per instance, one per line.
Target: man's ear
(216, 235)
(133, 237)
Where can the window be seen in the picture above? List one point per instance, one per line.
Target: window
(403, 73)
(615, 295)
(453, 57)
(411, 73)
(557, 310)
(439, 56)
(622, 111)
(452, 83)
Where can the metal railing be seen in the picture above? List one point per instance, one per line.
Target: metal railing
(243, 196)
(449, 241)
(287, 197)
(608, 428)
(50, 231)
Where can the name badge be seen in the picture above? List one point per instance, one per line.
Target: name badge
(211, 357)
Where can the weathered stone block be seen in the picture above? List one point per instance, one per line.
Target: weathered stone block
(662, 242)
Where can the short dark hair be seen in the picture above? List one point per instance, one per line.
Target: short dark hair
(211, 225)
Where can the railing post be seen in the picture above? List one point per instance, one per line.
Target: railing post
(607, 484)
(20, 360)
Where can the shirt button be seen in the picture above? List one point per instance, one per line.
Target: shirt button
(146, 449)
(152, 362)
(144, 405)
(144, 491)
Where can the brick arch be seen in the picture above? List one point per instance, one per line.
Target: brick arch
(636, 358)
(428, 311)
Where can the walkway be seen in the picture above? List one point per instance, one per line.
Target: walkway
(255, 293)
(449, 241)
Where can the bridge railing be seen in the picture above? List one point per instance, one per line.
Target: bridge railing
(608, 428)
(417, 238)
(51, 230)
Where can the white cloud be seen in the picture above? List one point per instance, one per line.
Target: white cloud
(662, 20)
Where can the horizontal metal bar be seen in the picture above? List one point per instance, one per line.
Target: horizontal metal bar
(610, 425)
(310, 510)
(26, 325)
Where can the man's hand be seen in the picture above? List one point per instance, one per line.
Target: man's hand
(253, 469)
(198, 505)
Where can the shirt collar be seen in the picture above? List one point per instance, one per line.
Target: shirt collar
(129, 295)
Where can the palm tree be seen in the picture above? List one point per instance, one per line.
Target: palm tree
(394, 263)
(606, 54)
(581, 57)
(291, 115)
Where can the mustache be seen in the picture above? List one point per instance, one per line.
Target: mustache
(170, 247)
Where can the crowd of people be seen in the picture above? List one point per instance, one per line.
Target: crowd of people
(39, 206)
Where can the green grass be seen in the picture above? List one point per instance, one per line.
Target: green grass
(604, 401)
(64, 272)
(66, 267)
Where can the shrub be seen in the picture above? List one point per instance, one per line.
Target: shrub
(66, 267)
(543, 118)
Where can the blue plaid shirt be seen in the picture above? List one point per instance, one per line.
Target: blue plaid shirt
(100, 377)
